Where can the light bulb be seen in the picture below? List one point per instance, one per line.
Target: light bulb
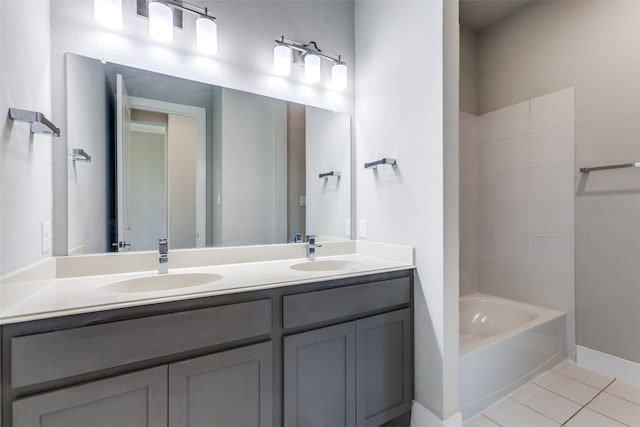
(282, 60)
(311, 68)
(207, 36)
(108, 13)
(339, 76)
(160, 22)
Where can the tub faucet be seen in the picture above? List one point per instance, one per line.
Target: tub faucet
(163, 258)
(311, 247)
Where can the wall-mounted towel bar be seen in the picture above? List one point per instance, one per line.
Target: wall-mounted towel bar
(79, 155)
(602, 168)
(39, 123)
(385, 161)
(328, 174)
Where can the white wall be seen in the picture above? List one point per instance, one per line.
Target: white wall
(547, 46)
(328, 148)
(296, 166)
(87, 218)
(247, 30)
(25, 159)
(254, 169)
(400, 114)
(181, 168)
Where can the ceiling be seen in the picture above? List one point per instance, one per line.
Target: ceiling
(480, 14)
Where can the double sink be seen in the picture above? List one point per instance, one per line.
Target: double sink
(166, 282)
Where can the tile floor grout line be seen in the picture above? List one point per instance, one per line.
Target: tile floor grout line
(568, 398)
(582, 382)
(597, 412)
(619, 397)
(534, 410)
(546, 416)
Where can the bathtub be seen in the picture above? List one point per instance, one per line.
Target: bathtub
(504, 344)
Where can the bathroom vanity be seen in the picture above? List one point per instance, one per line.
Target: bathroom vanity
(318, 352)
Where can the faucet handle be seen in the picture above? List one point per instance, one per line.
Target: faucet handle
(311, 239)
(163, 246)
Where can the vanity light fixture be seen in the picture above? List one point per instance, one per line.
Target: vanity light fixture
(287, 52)
(161, 23)
(108, 13)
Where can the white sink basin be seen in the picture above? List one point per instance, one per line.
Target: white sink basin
(325, 265)
(161, 282)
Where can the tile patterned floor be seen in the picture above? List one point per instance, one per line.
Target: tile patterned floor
(567, 395)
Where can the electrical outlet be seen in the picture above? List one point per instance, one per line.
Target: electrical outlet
(362, 229)
(303, 201)
(47, 237)
(347, 227)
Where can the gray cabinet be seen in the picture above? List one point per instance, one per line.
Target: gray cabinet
(352, 374)
(325, 354)
(138, 399)
(319, 378)
(228, 389)
(384, 367)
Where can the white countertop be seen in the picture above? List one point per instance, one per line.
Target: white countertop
(25, 300)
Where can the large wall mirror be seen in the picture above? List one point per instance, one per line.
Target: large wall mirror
(198, 164)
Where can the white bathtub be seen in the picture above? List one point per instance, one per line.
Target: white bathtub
(503, 344)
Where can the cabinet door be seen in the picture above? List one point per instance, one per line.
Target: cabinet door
(228, 389)
(319, 377)
(133, 400)
(384, 367)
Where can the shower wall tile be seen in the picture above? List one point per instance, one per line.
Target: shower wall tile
(552, 219)
(553, 255)
(469, 279)
(552, 291)
(511, 283)
(486, 254)
(511, 218)
(469, 219)
(485, 218)
(511, 251)
(511, 121)
(512, 153)
(487, 279)
(552, 183)
(469, 189)
(553, 110)
(485, 127)
(469, 160)
(552, 147)
(486, 188)
(486, 157)
(469, 246)
(469, 127)
(525, 203)
(511, 186)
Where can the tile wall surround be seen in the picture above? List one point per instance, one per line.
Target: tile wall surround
(517, 202)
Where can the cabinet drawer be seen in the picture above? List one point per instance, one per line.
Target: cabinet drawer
(319, 306)
(60, 354)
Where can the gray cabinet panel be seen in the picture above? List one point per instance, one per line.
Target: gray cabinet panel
(133, 400)
(313, 307)
(319, 378)
(229, 389)
(384, 367)
(53, 355)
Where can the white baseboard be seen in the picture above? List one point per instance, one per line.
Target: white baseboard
(622, 369)
(422, 417)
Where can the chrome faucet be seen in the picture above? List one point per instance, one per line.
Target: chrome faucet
(311, 247)
(163, 259)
